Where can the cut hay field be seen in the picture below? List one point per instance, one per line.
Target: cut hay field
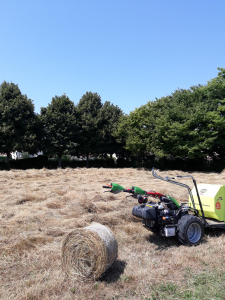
(39, 207)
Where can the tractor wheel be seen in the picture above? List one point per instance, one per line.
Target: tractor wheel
(190, 230)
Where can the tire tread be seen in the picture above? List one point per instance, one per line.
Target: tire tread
(182, 227)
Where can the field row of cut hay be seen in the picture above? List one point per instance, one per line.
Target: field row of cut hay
(39, 207)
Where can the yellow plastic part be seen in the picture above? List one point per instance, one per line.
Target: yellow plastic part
(213, 200)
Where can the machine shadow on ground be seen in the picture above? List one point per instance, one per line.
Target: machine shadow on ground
(162, 242)
(214, 232)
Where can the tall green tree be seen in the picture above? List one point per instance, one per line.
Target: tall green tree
(89, 108)
(19, 128)
(110, 116)
(60, 123)
(133, 130)
(182, 126)
(191, 123)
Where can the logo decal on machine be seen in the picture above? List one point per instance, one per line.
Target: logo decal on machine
(202, 191)
(218, 206)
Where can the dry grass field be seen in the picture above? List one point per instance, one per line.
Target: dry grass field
(38, 207)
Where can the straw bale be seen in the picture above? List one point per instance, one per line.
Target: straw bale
(88, 252)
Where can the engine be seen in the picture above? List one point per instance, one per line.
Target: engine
(157, 216)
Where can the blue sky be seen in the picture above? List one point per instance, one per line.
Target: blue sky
(128, 51)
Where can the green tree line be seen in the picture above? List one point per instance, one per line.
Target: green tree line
(188, 124)
(61, 128)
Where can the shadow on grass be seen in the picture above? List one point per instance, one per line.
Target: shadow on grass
(114, 272)
(214, 232)
(163, 242)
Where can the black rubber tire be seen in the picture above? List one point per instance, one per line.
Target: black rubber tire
(190, 230)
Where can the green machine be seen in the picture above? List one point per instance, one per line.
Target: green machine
(187, 221)
(212, 199)
(205, 209)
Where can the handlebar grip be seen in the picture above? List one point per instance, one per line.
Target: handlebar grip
(107, 187)
(179, 176)
(127, 191)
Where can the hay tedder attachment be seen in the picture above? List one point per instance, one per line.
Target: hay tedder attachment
(167, 217)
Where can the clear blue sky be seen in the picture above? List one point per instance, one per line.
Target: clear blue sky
(128, 51)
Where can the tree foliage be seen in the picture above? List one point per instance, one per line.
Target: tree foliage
(186, 124)
(109, 118)
(60, 123)
(19, 125)
(89, 108)
(215, 93)
(133, 131)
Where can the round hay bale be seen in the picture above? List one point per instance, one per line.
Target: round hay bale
(88, 252)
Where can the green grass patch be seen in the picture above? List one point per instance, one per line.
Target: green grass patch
(204, 286)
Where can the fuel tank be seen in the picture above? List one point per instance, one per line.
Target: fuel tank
(145, 211)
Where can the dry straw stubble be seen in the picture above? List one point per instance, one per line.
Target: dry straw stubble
(31, 234)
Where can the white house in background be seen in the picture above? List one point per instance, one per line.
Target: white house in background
(18, 155)
(90, 157)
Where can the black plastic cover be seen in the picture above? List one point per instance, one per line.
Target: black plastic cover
(145, 211)
(149, 213)
(137, 210)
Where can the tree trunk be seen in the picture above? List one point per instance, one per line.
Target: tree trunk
(87, 162)
(110, 155)
(8, 156)
(60, 161)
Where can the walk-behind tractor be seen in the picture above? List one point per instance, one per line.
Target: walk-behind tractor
(186, 220)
